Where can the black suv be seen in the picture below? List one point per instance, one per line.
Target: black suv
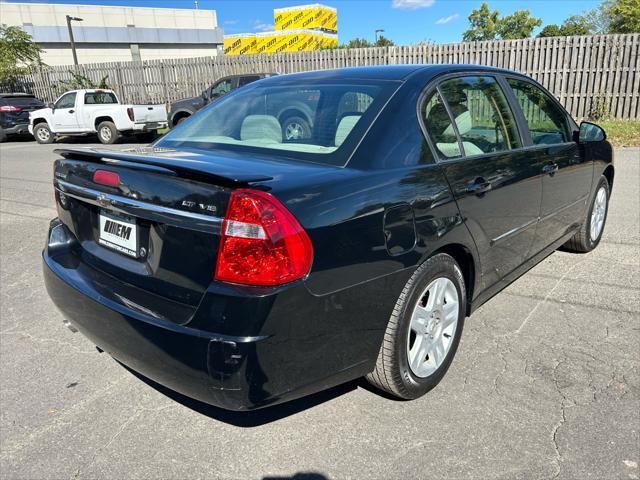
(14, 113)
(183, 109)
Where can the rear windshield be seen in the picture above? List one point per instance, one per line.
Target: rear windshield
(318, 122)
(20, 101)
(99, 98)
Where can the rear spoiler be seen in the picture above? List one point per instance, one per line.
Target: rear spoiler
(141, 159)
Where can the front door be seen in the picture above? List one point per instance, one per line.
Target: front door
(566, 173)
(64, 113)
(497, 187)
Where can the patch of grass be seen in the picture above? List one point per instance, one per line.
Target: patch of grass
(622, 133)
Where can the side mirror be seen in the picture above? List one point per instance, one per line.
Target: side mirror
(590, 132)
(51, 105)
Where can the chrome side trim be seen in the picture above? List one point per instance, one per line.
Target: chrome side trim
(513, 231)
(553, 213)
(136, 208)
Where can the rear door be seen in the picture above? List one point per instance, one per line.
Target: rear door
(65, 117)
(496, 185)
(566, 176)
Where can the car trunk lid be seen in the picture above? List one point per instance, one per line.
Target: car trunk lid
(149, 217)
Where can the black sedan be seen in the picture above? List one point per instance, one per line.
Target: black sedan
(14, 113)
(244, 269)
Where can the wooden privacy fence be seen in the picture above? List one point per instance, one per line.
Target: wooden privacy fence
(588, 74)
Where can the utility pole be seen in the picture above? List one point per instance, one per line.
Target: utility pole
(73, 43)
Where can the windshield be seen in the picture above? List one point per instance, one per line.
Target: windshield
(317, 122)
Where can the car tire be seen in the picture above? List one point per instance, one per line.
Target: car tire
(295, 128)
(182, 119)
(108, 133)
(419, 344)
(42, 133)
(3, 136)
(590, 233)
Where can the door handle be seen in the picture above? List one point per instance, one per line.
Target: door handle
(550, 169)
(72, 111)
(479, 187)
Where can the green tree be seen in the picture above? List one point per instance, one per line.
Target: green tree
(520, 24)
(484, 24)
(488, 25)
(357, 43)
(551, 30)
(18, 54)
(574, 25)
(384, 42)
(623, 16)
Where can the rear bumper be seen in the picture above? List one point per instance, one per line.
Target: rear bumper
(147, 127)
(279, 346)
(18, 129)
(215, 369)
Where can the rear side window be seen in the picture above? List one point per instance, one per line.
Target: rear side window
(20, 101)
(439, 128)
(481, 114)
(68, 100)
(99, 98)
(246, 80)
(547, 121)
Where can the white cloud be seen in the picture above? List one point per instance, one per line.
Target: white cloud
(445, 20)
(263, 27)
(412, 4)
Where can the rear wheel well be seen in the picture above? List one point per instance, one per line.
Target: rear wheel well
(99, 120)
(178, 116)
(292, 112)
(464, 259)
(608, 174)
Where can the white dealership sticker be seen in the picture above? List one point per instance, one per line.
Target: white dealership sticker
(118, 234)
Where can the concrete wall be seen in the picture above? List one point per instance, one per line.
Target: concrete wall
(110, 34)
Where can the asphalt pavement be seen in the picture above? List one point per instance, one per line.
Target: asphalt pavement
(546, 383)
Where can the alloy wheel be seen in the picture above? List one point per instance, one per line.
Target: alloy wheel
(105, 133)
(598, 213)
(433, 326)
(43, 134)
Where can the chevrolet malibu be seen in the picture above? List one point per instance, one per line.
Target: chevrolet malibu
(242, 268)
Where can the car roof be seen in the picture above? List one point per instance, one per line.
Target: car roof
(386, 72)
(17, 94)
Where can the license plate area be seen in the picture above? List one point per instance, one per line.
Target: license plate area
(119, 233)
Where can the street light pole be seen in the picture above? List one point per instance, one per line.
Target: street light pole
(379, 30)
(73, 43)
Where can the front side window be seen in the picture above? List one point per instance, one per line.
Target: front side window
(99, 98)
(221, 88)
(547, 122)
(259, 116)
(68, 100)
(481, 114)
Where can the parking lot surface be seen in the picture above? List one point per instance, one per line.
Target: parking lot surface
(546, 383)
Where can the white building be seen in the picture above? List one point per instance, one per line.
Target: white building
(112, 34)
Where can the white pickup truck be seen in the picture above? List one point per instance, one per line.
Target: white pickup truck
(85, 112)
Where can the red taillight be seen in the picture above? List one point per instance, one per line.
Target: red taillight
(104, 177)
(9, 108)
(130, 113)
(262, 243)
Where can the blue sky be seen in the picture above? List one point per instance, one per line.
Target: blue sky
(404, 21)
